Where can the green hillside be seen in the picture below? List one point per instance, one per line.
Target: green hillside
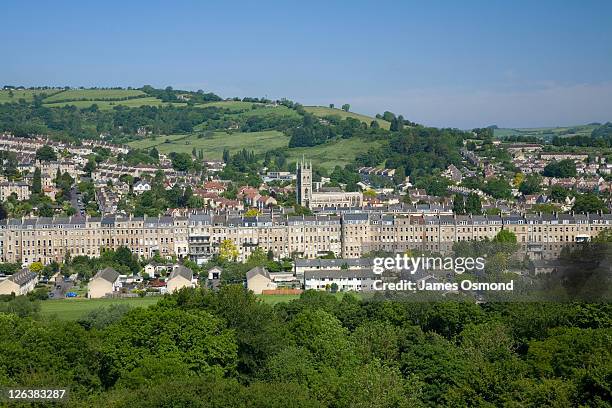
(26, 94)
(322, 111)
(546, 133)
(213, 144)
(103, 105)
(336, 153)
(94, 94)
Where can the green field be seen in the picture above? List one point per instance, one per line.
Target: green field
(105, 105)
(213, 144)
(27, 94)
(546, 133)
(323, 111)
(73, 309)
(236, 106)
(94, 94)
(332, 154)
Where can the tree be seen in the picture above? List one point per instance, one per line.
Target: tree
(331, 106)
(346, 107)
(498, 188)
(36, 267)
(558, 194)
(458, 204)
(562, 168)
(369, 193)
(473, 205)
(46, 153)
(505, 236)
(589, 203)
(228, 250)
(531, 184)
(251, 212)
(181, 161)
(37, 181)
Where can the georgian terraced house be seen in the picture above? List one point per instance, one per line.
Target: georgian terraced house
(348, 234)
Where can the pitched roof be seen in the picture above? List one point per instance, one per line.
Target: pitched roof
(22, 277)
(258, 270)
(108, 274)
(181, 271)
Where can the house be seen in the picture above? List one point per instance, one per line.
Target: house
(141, 186)
(104, 283)
(153, 269)
(356, 280)
(265, 202)
(214, 187)
(181, 277)
(302, 265)
(259, 279)
(453, 173)
(19, 283)
(214, 273)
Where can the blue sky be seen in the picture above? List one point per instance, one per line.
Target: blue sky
(455, 63)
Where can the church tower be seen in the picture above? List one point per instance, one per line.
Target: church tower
(303, 189)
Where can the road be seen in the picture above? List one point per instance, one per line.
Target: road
(60, 288)
(76, 201)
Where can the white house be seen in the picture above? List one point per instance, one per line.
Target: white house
(141, 186)
(214, 273)
(356, 280)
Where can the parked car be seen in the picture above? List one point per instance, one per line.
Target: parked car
(72, 294)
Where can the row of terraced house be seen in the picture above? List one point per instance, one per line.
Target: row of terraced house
(347, 235)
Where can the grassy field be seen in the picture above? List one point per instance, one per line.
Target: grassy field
(236, 106)
(105, 105)
(73, 309)
(213, 145)
(93, 94)
(28, 95)
(546, 133)
(329, 155)
(322, 111)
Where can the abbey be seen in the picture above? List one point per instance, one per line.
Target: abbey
(325, 197)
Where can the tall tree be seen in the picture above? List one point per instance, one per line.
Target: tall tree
(37, 181)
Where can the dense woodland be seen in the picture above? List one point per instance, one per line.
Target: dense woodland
(228, 349)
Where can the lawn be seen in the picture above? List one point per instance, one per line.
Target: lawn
(213, 144)
(274, 299)
(329, 155)
(73, 309)
(93, 94)
(323, 111)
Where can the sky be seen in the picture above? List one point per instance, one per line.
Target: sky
(457, 64)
